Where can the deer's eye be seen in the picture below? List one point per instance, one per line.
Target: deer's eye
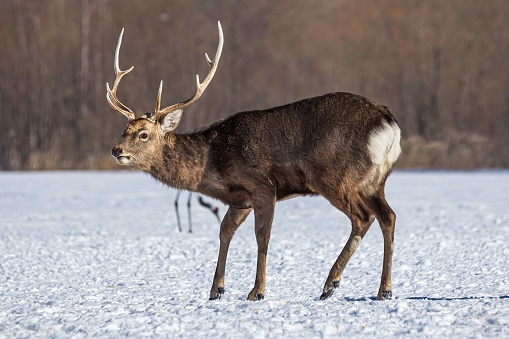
(143, 136)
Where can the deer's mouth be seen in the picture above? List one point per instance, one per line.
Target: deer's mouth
(123, 159)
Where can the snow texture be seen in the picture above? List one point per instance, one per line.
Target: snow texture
(97, 254)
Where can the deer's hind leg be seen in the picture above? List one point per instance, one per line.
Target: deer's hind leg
(387, 220)
(232, 220)
(361, 217)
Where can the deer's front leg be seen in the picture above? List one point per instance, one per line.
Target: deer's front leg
(263, 224)
(231, 222)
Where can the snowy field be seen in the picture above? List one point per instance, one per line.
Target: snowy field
(98, 254)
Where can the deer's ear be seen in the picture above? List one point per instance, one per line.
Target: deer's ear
(171, 120)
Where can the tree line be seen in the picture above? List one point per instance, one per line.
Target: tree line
(439, 65)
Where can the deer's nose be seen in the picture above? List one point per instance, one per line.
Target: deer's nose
(116, 151)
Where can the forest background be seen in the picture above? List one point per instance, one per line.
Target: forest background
(441, 66)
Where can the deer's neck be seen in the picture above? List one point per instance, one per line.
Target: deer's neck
(181, 162)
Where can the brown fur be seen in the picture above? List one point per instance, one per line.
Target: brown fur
(316, 146)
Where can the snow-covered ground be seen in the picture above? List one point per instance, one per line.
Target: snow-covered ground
(98, 254)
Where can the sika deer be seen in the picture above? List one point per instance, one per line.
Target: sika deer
(339, 145)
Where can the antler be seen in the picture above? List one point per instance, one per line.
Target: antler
(200, 87)
(111, 94)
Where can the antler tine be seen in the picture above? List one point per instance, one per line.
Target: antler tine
(159, 94)
(200, 87)
(111, 94)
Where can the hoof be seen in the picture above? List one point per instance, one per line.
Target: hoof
(327, 293)
(382, 295)
(257, 297)
(218, 294)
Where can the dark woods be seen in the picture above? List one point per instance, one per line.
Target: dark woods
(441, 66)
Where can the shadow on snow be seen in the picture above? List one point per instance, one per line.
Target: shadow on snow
(373, 298)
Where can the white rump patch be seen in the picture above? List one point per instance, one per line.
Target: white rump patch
(384, 144)
(384, 149)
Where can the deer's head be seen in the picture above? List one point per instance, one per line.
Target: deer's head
(144, 136)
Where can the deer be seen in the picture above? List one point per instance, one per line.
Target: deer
(202, 202)
(340, 146)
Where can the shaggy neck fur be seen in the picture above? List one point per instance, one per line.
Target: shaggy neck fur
(181, 161)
